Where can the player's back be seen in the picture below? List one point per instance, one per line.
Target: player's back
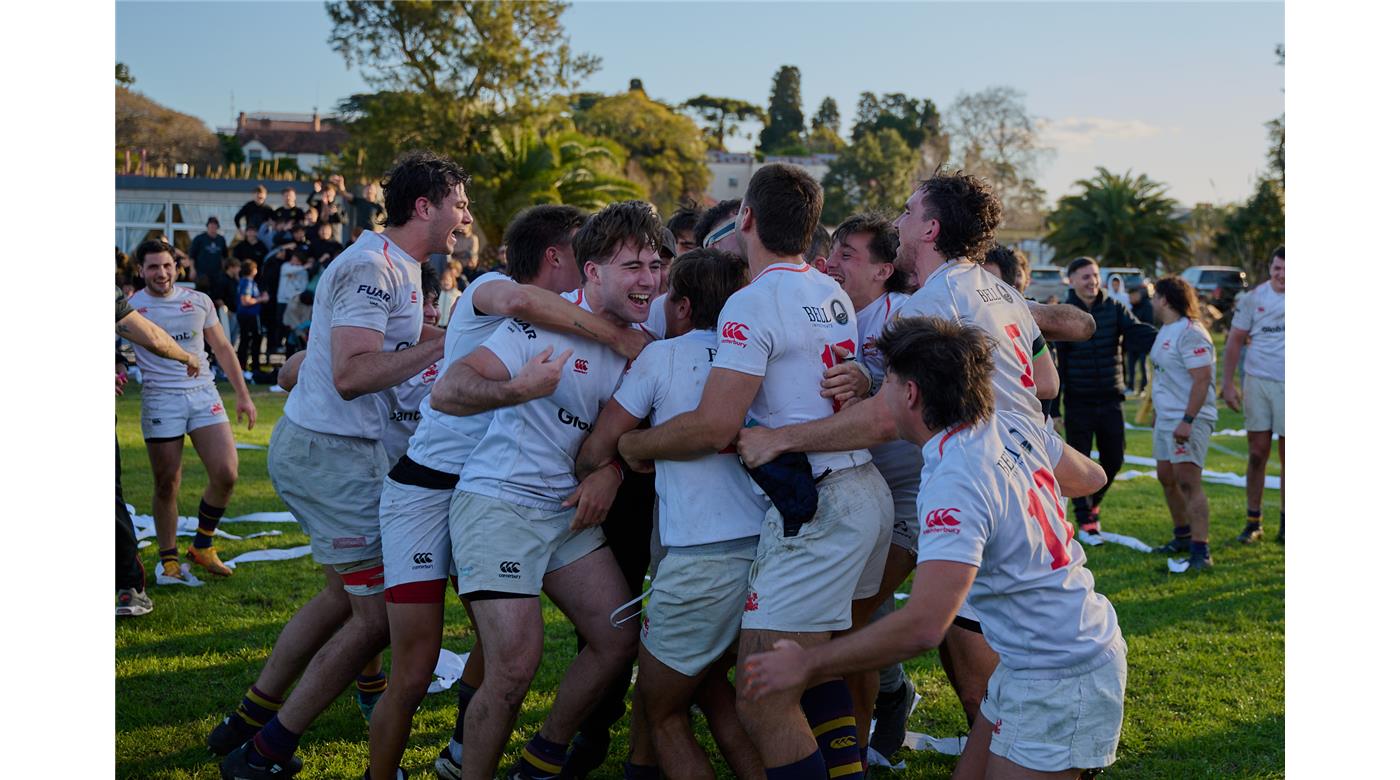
(964, 292)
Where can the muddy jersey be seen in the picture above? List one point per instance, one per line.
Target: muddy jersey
(1260, 313)
(527, 454)
(989, 499)
(374, 285)
(184, 314)
(708, 499)
(783, 327)
(443, 441)
(1180, 347)
(963, 292)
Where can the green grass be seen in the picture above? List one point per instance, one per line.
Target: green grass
(1205, 664)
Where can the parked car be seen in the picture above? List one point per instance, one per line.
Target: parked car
(1047, 281)
(1132, 277)
(1217, 286)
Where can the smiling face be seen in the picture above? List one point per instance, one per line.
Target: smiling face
(158, 269)
(626, 283)
(851, 265)
(1276, 274)
(1085, 281)
(448, 221)
(914, 231)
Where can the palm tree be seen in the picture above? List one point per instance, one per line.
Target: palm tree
(1121, 220)
(519, 169)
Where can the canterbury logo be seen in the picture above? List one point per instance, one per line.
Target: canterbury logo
(735, 330)
(510, 567)
(423, 558)
(843, 742)
(581, 366)
(941, 517)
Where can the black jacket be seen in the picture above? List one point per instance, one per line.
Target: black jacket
(1093, 370)
(252, 215)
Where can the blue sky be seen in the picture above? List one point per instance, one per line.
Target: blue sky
(1179, 91)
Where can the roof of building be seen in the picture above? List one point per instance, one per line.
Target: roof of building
(327, 141)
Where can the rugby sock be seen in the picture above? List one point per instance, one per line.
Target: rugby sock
(831, 714)
(631, 771)
(1200, 548)
(371, 684)
(274, 743)
(542, 758)
(464, 698)
(209, 516)
(810, 768)
(171, 555)
(1182, 532)
(254, 712)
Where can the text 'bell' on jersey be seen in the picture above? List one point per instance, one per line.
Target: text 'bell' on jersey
(401, 406)
(711, 498)
(1180, 347)
(527, 455)
(784, 327)
(965, 293)
(184, 314)
(989, 499)
(1260, 313)
(373, 285)
(443, 441)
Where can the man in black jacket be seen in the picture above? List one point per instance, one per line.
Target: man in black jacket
(254, 212)
(1091, 379)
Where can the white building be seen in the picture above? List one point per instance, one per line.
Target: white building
(307, 138)
(730, 171)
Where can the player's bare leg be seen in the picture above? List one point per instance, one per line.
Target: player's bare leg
(335, 665)
(1171, 491)
(512, 635)
(310, 628)
(1260, 446)
(716, 700)
(865, 687)
(1280, 488)
(166, 469)
(216, 450)
(776, 723)
(415, 636)
(972, 765)
(969, 662)
(999, 768)
(665, 695)
(1194, 503)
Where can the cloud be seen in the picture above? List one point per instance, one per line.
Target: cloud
(1085, 130)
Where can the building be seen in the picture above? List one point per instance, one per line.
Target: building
(307, 138)
(150, 206)
(730, 171)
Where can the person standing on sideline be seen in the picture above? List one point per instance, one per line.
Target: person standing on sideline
(1140, 302)
(254, 212)
(1259, 320)
(208, 249)
(250, 302)
(1183, 393)
(1091, 380)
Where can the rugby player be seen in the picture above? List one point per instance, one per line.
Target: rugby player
(1054, 705)
(174, 404)
(1259, 320)
(413, 510)
(682, 225)
(776, 338)
(328, 465)
(521, 523)
(1183, 396)
(709, 523)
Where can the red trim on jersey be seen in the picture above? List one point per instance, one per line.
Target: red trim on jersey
(370, 577)
(578, 301)
(805, 268)
(426, 592)
(888, 303)
(948, 436)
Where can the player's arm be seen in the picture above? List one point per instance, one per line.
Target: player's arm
(855, 427)
(1200, 387)
(228, 361)
(150, 336)
(480, 382)
(1234, 344)
(707, 430)
(360, 366)
(600, 448)
(939, 589)
(847, 380)
(290, 372)
(1061, 321)
(544, 309)
(1046, 375)
(1078, 475)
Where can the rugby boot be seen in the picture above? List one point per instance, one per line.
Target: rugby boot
(208, 558)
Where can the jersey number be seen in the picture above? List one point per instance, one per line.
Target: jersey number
(1059, 554)
(830, 360)
(1015, 333)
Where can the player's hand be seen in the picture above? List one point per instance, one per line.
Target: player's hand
(758, 446)
(780, 669)
(624, 448)
(846, 379)
(192, 365)
(245, 408)
(1182, 433)
(121, 378)
(1231, 396)
(631, 342)
(540, 376)
(593, 497)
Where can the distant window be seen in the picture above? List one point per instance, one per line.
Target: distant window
(733, 182)
(254, 156)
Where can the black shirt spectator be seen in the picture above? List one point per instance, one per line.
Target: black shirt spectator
(208, 251)
(250, 248)
(254, 212)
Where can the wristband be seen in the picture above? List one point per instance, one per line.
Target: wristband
(1188, 418)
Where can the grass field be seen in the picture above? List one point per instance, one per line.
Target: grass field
(1205, 682)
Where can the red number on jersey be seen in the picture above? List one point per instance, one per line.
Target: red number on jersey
(1059, 555)
(830, 360)
(1015, 334)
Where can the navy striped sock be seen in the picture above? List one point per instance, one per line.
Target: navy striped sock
(542, 758)
(254, 712)
(831, 713)
(209, 516)
(274, 742)
(810, 768)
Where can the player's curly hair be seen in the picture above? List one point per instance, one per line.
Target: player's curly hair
(628, 222)
(967, 211)
(884, 245)
(1179, 295)
(1012, 263)
(950, 363)
(417, 175)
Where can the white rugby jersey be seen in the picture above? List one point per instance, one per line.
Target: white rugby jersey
(184, 314)
(373, 284)
(871, 322)
(963, 292)
(656, 316)
(527, 454)
(782, 327)
(711, 498)
(401, 406)
(443, 441)
(1260, 312)
(989, 499)
(1181, 346)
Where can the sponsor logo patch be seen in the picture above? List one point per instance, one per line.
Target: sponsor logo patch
(1199, 351)
(186, 307)
(216, 409)
(521, 326)
(751, 604)
(580, 366)
(843, 742)
(568, 418)
(733, 333)
(373, 292)
(510, 570)
(942, 521)
(422, 559)
(838, 312)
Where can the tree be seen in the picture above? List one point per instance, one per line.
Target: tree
(1121, 220)
(1252, 230)
(665, 150)
(917, 122)
(167, 136)
(874, 173)
(124, 77)
(993, 136)
(230, 149)
(828, 116)
(724, 114)
(785, 123)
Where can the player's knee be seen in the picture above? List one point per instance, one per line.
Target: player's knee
(515, 675)
(223, 478)
(1258, 458)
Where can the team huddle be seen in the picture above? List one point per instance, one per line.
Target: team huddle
(816, 433)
